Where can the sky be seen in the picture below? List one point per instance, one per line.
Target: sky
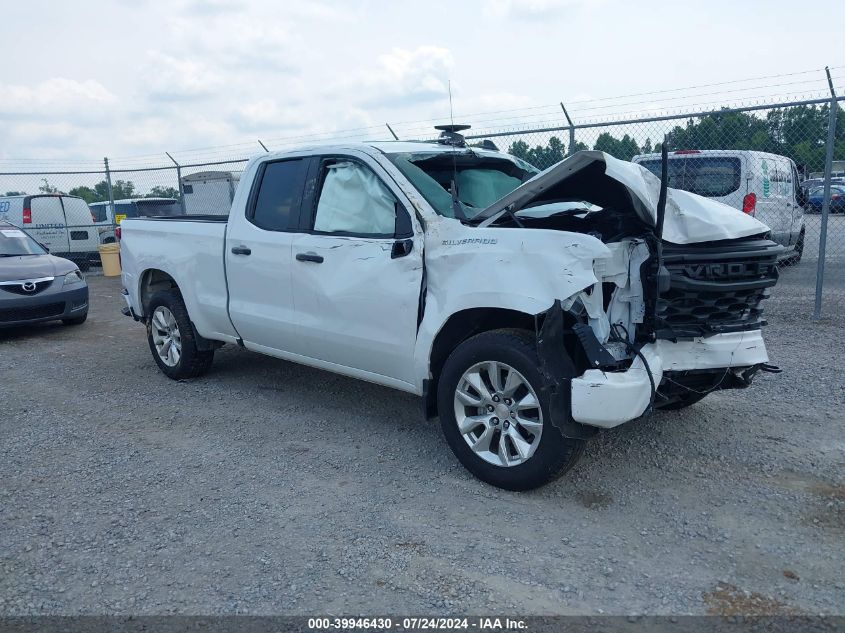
(133, 79)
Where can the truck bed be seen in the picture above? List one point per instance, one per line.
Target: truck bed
(193, 245)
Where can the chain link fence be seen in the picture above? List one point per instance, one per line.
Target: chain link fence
(782, 162)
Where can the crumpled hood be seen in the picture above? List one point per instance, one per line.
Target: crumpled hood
(34, 267)
(690, 218)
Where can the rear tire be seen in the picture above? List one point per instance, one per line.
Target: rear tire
(172, 340)
(496, 423)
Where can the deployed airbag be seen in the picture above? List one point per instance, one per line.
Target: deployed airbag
(353, 200)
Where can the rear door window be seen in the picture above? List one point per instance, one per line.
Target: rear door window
(279, 195)
(710, 176)
(77, 212)
(47, 212)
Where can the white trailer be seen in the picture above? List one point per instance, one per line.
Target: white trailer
(209, 192)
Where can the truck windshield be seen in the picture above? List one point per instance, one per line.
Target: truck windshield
(480, 179)
(14, 242)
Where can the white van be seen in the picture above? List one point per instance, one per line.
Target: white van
(62, 223)
(130, 208)
(760, 184)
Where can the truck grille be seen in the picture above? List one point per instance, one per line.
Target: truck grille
(716, 287)
(11, 315)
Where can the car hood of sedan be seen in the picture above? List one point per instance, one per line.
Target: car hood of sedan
(34, 267)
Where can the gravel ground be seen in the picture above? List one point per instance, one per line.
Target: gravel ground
(266, 487)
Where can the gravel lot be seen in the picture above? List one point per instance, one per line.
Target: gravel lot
(266, 487)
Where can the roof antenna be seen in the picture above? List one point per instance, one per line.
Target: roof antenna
(457, 209)
(451, 113)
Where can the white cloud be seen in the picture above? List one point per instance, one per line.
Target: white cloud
(170, 79)
(534, 9)
(269, 115)
(241, 41)
(405, 77)
(54, 97)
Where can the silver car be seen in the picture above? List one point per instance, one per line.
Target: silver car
(36, 286)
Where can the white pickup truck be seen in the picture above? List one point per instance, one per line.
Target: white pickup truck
(527, 309)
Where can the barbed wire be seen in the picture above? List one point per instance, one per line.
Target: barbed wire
(585, 110)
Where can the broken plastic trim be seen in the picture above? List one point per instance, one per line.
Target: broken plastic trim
(558, 370)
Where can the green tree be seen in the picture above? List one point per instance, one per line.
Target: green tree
(121, 189)
(624, 149)
(46, 187)
(163, 192)
(16, 193)
(541, 156)
(86, 193)
(798, 132)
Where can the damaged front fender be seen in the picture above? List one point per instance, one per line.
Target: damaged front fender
(524, 270)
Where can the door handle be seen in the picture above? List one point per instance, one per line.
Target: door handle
(309, 257)
(241, 250)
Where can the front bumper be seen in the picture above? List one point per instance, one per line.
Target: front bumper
(606, 399)
(54, 303)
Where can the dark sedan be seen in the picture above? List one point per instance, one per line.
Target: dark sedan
(36, 286)
(837, 199)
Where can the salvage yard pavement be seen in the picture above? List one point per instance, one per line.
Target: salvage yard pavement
(266, 487)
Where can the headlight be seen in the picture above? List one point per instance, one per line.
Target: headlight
(74, 278)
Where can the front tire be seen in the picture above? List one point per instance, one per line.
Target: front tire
(496, 416)
(172, 339)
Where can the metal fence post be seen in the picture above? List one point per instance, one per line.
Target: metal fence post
(571, 130)
(179, 180)
(828, 167)
(263, 145)
(111, 193)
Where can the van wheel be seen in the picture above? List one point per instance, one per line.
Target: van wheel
(172, 339)
(495, 415)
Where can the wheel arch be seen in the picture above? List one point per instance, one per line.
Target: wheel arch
(151, 281)
(459, 327)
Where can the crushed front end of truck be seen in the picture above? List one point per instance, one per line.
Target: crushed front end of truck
(669, 318)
